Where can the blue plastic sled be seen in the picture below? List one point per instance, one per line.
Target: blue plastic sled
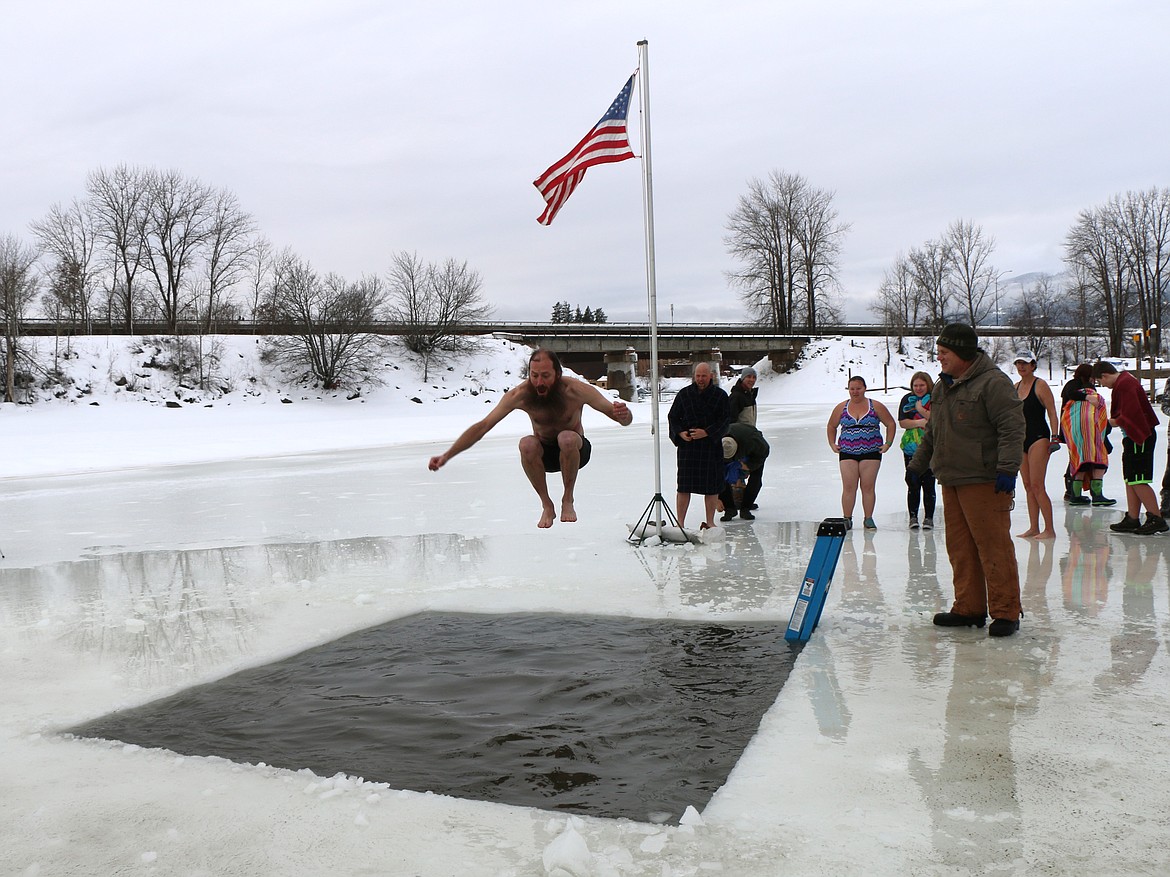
(815, 587)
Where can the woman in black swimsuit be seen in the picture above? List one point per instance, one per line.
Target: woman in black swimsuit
(1040, 425)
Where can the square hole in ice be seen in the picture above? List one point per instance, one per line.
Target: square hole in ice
(608, 716)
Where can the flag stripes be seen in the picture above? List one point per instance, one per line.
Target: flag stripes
(608, 141)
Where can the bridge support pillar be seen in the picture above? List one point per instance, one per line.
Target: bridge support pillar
(619, 372)
(782, 360)
(713, 356)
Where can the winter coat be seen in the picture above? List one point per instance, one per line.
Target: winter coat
(753, 448)
(1131, 408)
(976, 427)
(743, 403)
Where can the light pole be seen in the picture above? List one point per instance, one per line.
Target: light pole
(998, 274)
(1152, 347)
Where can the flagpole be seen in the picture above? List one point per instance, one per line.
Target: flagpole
(658, 509)
(651, 290)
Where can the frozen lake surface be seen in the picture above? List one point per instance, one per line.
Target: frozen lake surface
(894, 747)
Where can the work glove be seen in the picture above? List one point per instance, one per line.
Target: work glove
(1005, 482)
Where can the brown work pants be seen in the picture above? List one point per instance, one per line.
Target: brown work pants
(981, 551)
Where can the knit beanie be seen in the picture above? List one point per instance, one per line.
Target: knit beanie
(960, 338)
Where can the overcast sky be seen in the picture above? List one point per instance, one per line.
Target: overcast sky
(352, 130)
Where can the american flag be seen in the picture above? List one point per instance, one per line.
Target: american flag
(606, 142)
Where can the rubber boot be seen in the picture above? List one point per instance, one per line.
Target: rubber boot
(1099, 499)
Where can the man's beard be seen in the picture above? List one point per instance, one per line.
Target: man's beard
(553, 399)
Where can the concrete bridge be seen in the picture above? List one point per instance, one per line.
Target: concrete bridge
(622, 351)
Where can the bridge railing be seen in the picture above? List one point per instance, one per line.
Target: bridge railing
(500, 327)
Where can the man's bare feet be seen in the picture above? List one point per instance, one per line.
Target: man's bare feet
(1047, 534)
(547, 517)
(1027, 534)
(568, 513)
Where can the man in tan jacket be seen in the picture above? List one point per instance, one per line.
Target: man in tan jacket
(973, 442)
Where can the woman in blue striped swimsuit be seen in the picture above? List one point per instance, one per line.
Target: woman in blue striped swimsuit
(859, 447)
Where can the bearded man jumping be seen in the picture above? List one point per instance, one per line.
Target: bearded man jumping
(558, 442)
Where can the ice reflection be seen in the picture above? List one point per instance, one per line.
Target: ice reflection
(1084, 572)
(971, 792)
(1132, 649)
(825, 693)
(732, 575)
(159, 615)
(924, 597)
(863, 609)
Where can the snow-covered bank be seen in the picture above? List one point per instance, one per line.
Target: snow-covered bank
(119, 406)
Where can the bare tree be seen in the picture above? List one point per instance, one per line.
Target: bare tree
(18, 287)
(970, 273)
(1143, 225)
(760, 236)
(820, 234)
(1095, 247)
(1081, 310)
(68, 237)
(787, 237)
(118, 200)
(433, 302)
(230, 252)
(328, 321)
(1038, 310)
(260, 275)
(899, 305)
(930, 267)
(177, 225)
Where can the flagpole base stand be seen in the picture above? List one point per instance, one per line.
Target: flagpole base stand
(658, 520)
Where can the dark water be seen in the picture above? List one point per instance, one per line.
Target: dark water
(604, 716)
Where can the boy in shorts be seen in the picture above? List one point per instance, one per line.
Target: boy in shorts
(1131, 410)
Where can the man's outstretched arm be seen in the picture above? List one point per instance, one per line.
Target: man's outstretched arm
(476, 431)
(614, 409)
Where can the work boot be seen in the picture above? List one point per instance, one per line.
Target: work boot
(1126, 525)
(1002, 627)
(954, 619)
(747, 515)
(1154, 524)
(728, 515)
